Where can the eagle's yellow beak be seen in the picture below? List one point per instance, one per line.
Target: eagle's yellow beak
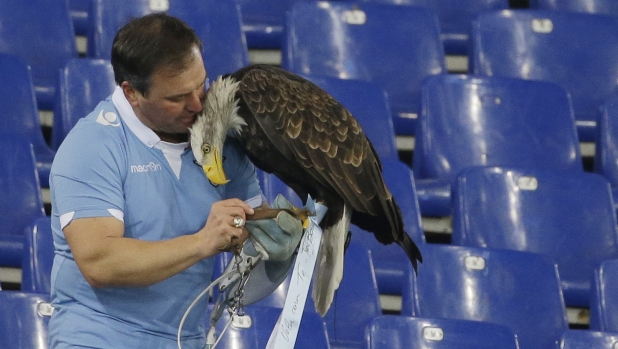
(213, 167)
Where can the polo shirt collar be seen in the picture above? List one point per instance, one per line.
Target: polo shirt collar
(143, 132)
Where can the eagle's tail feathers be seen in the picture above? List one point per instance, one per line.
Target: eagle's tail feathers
(329, 264)
(410, 248)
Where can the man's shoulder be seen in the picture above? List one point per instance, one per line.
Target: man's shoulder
(101, 124)
(100, 132)
(104, 117)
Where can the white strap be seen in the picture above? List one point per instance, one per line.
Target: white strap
(286, 329)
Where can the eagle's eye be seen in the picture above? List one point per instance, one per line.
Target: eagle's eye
(206, 148)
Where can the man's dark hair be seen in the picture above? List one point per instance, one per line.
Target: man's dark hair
(148, 43)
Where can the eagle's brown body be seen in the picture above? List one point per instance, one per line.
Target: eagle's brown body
(298, 132)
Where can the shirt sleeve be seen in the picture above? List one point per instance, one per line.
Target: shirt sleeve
(86, 179)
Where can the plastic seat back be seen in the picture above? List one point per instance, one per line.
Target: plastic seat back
(19, 110)
(45, 45)
(24, 319)
(483, 121)
(567, 216)
(263, 21)
(216, 22)
(356, 301)
(83, 83)
(38, 257)
(253, 330)
(455, 17)
(21, 200)
(402, 332)
(575, 50)
(368, 103)
(79, 11)
(606, 146)
(604, 301)
(584, 339)
(489, 121)
(607, 7)
(393, 46)
(516, 289)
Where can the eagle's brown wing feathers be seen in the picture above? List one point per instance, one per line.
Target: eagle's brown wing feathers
(319, 134)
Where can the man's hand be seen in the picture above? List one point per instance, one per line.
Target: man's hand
(225, 228)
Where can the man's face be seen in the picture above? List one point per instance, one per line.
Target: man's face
(173, 100)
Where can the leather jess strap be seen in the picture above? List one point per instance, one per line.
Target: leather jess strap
(269, 213)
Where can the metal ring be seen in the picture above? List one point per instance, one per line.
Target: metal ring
(239, 222)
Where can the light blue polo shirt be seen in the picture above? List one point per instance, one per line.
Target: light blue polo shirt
(111, 164)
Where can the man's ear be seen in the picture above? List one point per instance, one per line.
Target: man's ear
(130, 93)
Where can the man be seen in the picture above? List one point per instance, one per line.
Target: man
(135, 221)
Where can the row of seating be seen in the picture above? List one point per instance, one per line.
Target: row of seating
(23, 324)
(516, 289)
(519, 291)
(393, 45)
(47, 46)
(466, 120)
(399, 332)
(448, 142)
(383, 44)
(529, 184)
(263, 21)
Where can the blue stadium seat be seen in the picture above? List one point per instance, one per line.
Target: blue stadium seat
(574, 50)
(368, 103)
(255, 331)
(19, 111)
(455, 17)
(83, 83)
(567, 216)
(80, 15)
(584, 339)
(516, 289)
(606, 7)
(216, 22)
(403, 332)
(394, 46)
(606, 146)
(488, 121)
(45, 44)
(263, 21)
(23, 320)
(604, 299)
(390, 261)
(38, 257)
(21, 201)
(356, 301)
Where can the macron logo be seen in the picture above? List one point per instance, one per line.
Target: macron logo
(151, 167)
(108, 119)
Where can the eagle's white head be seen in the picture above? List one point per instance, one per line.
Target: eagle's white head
(218, 118)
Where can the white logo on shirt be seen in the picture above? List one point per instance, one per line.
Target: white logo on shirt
(151, 167)
(108, 119)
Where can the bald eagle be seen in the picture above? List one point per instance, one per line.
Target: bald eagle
(290, 127)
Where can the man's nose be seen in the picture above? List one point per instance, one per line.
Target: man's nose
(194, 103)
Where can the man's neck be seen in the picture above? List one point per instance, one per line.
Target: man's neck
(173, 137)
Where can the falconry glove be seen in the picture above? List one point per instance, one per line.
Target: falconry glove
(275, 239)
